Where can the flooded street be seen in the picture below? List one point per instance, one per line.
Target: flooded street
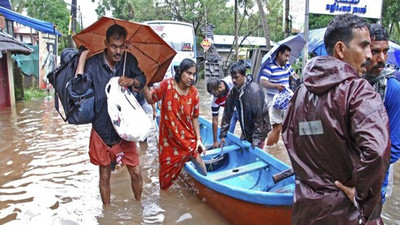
(46, 177)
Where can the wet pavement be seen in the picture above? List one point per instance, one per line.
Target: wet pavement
(46, 176)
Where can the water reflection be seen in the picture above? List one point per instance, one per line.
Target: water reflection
(46, 177)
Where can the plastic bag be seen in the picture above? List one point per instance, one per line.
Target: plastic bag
(281, 100)
(127, 116)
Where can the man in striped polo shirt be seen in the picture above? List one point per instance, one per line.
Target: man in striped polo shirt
(219, 89)
(274, 77)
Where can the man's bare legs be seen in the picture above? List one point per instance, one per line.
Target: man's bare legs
(105, 175)
(274, 134)
(105, 190)
(136, 181)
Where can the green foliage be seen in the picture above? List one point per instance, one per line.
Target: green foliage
(318, 21)
(275, 19)
(222, 19)
(54, 11)
(19, 93)
(201, 74)
(18, 5)
(190, 11)
(33, 93)
(219, 13)
(391, 18)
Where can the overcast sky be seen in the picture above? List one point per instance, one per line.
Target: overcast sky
(87, 8)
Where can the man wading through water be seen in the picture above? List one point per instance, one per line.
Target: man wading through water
(105, 143)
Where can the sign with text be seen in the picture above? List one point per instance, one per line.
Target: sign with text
(297, 11)
(362, 8)
(206, 44)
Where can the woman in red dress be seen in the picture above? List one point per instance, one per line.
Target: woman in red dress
(179, 138)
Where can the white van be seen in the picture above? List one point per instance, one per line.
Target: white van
(180, 36)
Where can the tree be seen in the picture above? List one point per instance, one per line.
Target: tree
(191, 11)
(318, 21)
(264, 24)
(219, 13)
(54, 11)
(391, 18)
(275, 19)
(18, 5)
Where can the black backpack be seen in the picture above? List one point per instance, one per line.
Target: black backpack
(78, 103)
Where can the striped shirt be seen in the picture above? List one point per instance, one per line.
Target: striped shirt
(276, 74)
(216, 102)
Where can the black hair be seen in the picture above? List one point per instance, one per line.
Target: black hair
(48, 47)
(185, 65)
(341, 29)
(378, 33)
(213, 84)
(282, 49)
(116, 30)
(238, 67)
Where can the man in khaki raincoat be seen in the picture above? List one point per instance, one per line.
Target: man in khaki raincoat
(336, 133)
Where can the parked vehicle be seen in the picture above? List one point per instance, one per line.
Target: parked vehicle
(180, 36)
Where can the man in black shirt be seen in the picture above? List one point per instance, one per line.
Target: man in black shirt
(105, 144)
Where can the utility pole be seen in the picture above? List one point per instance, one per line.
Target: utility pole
(264, 24)
(80, 17)
(287, 21)
(72, 23)
(305, 50)
(205, 29)
(73, 16)
(236, 32)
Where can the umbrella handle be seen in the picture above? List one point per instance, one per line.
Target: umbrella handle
(123, 72)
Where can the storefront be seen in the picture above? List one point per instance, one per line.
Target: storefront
(9, 45)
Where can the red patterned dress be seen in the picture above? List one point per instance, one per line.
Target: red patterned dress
(177, 140)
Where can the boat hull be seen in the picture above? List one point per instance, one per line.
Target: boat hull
(238, 212)
(239, 183)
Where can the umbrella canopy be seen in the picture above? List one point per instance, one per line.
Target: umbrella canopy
(394, 54)
(152, 52)
(296, 44)
(316, 41)
(316, 45)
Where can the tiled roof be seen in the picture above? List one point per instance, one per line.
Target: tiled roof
(10, 44)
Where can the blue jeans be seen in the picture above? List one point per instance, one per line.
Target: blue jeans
(234, 119)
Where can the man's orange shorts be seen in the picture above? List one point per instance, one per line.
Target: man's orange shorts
(103, 155)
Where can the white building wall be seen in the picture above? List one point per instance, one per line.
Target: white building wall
(10, 79)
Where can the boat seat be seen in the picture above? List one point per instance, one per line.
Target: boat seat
(226, 149)
(238, 170)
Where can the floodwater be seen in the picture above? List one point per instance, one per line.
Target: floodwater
(46, 177)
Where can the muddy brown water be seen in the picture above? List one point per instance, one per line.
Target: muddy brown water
(46, 176)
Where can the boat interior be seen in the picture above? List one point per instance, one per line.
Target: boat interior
(237, 164)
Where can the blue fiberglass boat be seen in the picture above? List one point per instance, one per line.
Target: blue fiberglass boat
(239, 184)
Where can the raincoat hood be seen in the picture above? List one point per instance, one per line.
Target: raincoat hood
(318, 77)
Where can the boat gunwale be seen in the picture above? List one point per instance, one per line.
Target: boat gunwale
(253, 196)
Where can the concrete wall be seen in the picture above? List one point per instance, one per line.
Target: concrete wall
(10, 78)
